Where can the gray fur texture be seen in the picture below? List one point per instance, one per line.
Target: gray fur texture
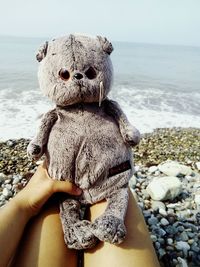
(85, 136)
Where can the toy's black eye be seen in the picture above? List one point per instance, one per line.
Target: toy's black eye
(64, 74)
(91, 73)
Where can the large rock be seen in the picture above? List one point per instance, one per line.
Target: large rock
(173, 168)
(163, 188)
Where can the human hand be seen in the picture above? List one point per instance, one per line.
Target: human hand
(39, 189)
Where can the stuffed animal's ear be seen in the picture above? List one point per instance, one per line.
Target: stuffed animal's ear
(42, 52)
(106, 45)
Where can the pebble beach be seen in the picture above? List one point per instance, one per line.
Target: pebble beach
(166, 185)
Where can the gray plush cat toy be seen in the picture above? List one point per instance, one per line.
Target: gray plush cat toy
(87, 138)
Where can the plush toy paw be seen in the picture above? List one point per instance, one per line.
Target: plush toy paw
(79, 235)
(130, 135)
(34, 151)
(109, 228)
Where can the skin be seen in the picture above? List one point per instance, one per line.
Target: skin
(37, 241)
(26, 204)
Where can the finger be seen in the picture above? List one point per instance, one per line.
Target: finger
(66, 187)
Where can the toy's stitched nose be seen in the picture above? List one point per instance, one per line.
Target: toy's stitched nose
(78, 76)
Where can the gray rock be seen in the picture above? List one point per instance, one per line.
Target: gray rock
(197, 164)
(164, 222)
(2, 198)
(153, 238)
(152, 169)
(16, 179)
(182, 262)
(184, 236)
(163, 188)
(156, 205)
(132, 181)
(153, 220)
(170, 241)
(195, 247)
(2, 177)
(7, 181)
(161, 252)
(6, 193)
(8, 186)
(197, 198)
(173, 168)
(182, 245)
(159, 232)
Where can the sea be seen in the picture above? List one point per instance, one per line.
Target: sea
(157, 86)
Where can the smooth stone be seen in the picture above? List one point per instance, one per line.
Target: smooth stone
(159, 232)
(162, 212)
(184, 236)
(163, 188)
(197, 198)
(190, 241)
(132, 181)
(152, 169)
(7, 193)
(197, 164)
(171, 230)
(7, 181)
(156, 205)
(8, 186)
(173, 168)
(182, 262)
(180, 228)
(157, 245)
(145, 194)
(182, 245)
(170, 241)
(153, 220)
(195, 247)
(10, 143)
(164, 222)
(2, 198)
(161, 252)
(2, 177)
(153, 238)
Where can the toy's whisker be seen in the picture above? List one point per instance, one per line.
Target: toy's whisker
(101, 91)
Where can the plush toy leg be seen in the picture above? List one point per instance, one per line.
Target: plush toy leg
(77, 233)
(110, 226)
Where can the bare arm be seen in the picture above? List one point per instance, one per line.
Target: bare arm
(129, 133)
(27, 203)
(36, 147)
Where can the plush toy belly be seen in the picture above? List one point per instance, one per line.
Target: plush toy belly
(84, 146)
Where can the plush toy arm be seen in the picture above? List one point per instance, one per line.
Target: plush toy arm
(110, 226)
(129, 133)
(36, 147)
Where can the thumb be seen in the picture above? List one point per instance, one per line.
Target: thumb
(66, 187)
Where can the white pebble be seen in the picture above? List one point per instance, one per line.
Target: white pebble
(163, 188)
(7, 193)
(152, 169)
(170, 241)
(197, 199)
(198, 165)
(8, 186)
(182, 262)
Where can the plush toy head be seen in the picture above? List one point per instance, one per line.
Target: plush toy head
(75, 69)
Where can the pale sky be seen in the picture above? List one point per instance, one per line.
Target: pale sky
(148, 21)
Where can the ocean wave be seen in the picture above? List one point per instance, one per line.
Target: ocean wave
(146, 109)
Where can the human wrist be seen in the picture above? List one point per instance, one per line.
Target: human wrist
(21, 204)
